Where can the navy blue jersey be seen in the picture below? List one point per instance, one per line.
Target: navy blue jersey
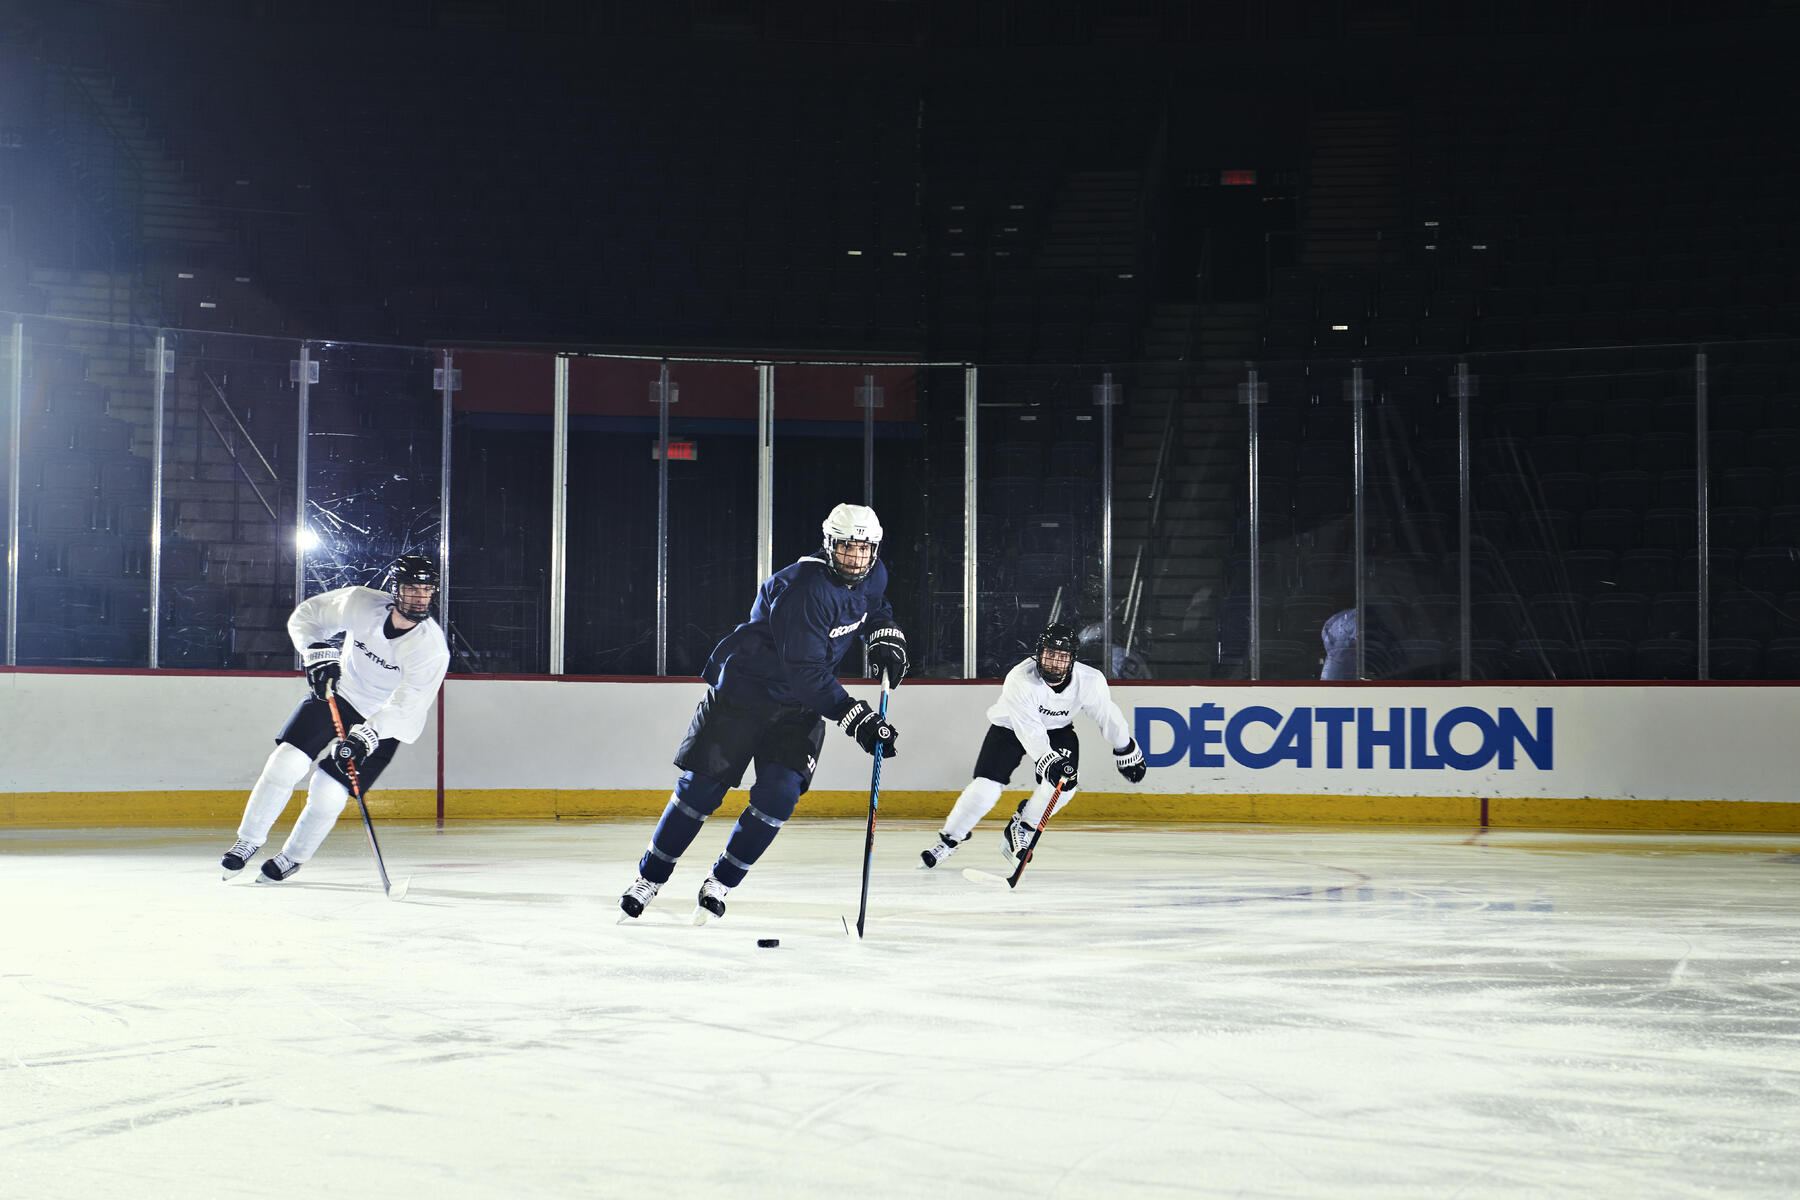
(803, 623)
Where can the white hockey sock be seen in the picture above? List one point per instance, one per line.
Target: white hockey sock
(274, 788)
(325, 801)
(1033, 811)
(976, 801)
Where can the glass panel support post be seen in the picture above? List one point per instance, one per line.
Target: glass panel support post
(449, 382)
(1107, 397)
(1358, 466)
(15, 407)
(662, 520)
(765, 471)
(159, 367)
(303, 372)
(1253, 397)
(559, 514)
(971, 581)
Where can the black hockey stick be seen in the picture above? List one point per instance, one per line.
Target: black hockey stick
(862, 913)
(1049, 809)
(388, 889)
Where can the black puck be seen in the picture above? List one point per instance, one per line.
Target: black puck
(768, 943)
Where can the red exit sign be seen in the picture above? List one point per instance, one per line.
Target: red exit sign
(678, 451)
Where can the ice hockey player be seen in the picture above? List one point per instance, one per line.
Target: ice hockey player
(773, 678)
(1035, 716)
(393, 659)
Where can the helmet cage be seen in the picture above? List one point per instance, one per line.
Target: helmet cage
(1058, 637)
(413, 570)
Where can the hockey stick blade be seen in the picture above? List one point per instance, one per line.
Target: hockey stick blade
(398, 891)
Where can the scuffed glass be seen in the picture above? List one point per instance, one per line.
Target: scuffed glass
(230, 431)
(373, 464)
(1753, 485)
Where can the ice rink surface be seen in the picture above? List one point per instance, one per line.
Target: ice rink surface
(1194, 1011)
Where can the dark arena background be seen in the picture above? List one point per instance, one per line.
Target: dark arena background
(1400, 399)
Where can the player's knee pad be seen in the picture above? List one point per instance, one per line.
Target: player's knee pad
(700, 793)
(776, 792)
(985, 790)
(286, 767)
(326, 795)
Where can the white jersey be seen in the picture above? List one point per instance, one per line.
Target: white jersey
(391, 681)
(1031, 708)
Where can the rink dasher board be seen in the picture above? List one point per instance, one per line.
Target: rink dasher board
(110, 747)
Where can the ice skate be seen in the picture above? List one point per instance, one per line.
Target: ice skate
(1014, 839)
(237, 858)
(711, 902)
(943, 848)
(277, 869)
(640, 893)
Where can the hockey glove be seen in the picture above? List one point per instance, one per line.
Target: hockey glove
(1057, 767)
(871, 732)
(887, 654)
(322, 668)
(356, 745)
(1130, 762)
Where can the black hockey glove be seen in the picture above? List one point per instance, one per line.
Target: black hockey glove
(322, 668)
(1057, 767)
(1130, 762)
(356, 745)
(871, 731)
(887, 654)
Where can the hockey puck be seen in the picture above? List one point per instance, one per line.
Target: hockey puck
(768, 943)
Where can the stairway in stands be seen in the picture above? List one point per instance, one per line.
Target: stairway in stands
(1181, 558)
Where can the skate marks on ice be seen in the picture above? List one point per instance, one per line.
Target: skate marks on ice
(1157, 1011)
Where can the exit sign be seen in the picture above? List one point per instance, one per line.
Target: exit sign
(678, 451)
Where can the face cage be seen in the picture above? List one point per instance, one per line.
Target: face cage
(843, 572)
(412, 615)
(1044, 671)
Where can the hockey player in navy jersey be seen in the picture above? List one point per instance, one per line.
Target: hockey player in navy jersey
(774, 684)
(1035, 716)
(384, 679)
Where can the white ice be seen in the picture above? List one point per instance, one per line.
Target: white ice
(1195, 1011)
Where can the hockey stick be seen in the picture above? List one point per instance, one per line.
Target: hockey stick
(387, 888)
(862, 913)
(1013, 880)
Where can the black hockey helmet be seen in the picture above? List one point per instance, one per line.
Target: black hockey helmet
(413, 570)
(1056, 636)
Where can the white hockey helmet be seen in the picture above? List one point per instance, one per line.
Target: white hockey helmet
(847, 529)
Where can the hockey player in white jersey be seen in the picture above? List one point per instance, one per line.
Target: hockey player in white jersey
(384, 678)
(1035, 717)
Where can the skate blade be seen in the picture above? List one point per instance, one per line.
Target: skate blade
(228, 876)
(701, 915)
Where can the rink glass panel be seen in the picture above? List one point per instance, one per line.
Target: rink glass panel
(1753, 489)
(230, 429)
(501, 461)
(86, 441)
(610, 610)
(934, 496)
(711, 547)
(374, 454)
(1040, 452)
(819, 452)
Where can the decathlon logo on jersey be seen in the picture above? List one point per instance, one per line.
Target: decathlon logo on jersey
(1464, 738)
(852, 627)
(375, 658)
